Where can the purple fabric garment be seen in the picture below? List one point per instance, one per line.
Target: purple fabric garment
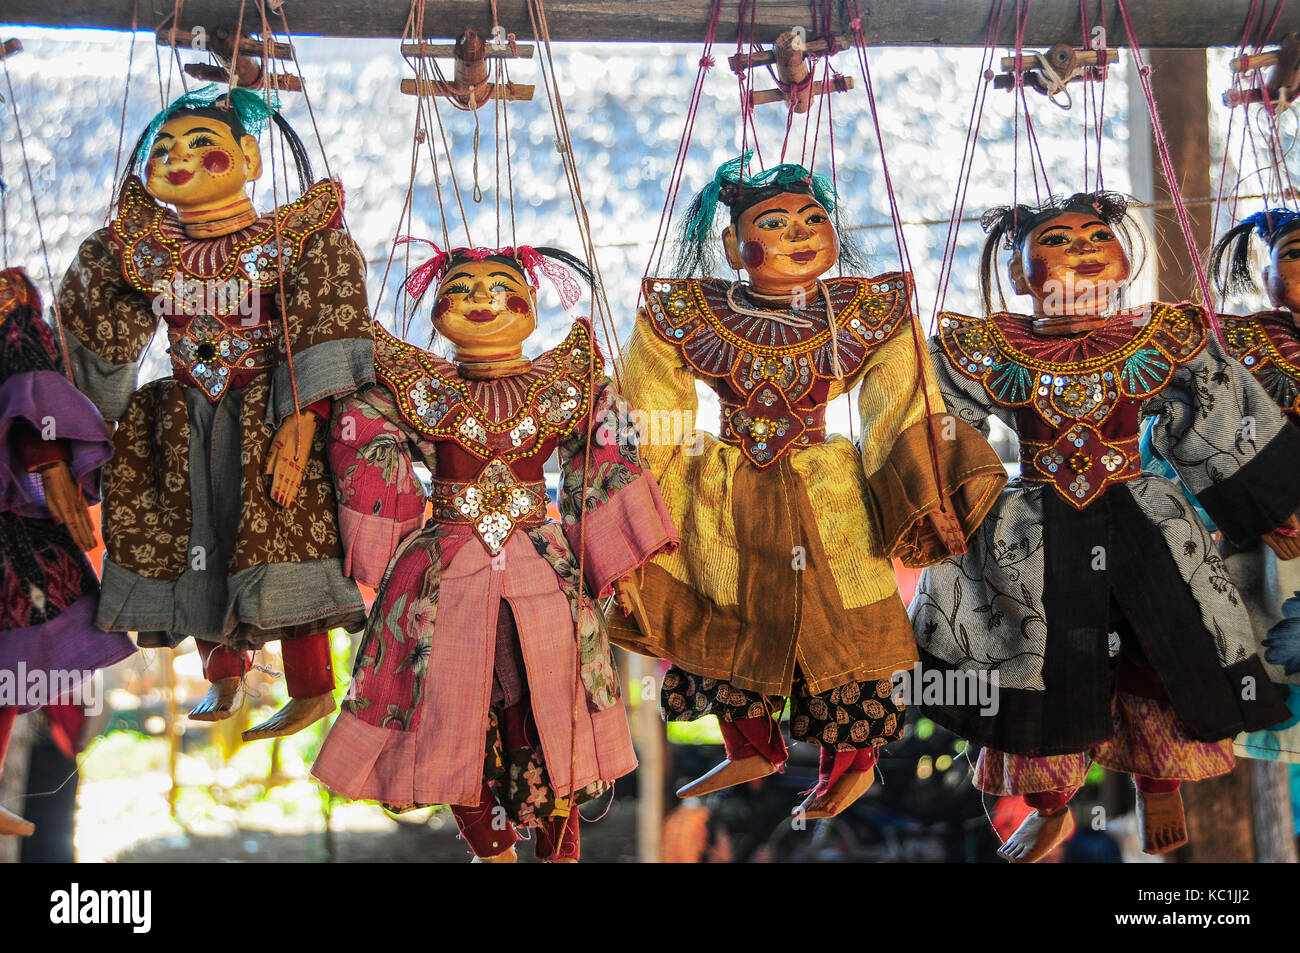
(508, 687)
(67, 643)
(34, 396)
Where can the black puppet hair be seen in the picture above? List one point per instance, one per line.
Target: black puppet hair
(1230, 258)
(1007, 226)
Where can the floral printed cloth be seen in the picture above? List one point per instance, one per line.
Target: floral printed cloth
(414, 724)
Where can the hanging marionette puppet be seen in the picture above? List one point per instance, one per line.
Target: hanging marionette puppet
(1092, 617)
(219, 513)
(53, 443)
(783, 586)
(480, 629)
(1267, 343)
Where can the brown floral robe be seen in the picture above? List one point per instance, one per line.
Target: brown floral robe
(195, 545)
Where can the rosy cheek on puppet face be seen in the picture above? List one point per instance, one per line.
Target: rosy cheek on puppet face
(216, 162)
(752, 254)
(1036, 274)
(442, 307)
(517, 304)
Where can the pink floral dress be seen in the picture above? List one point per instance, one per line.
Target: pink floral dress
(480, 662)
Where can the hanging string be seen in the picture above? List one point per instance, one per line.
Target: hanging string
(268, 41)
(306, 98)
(748, 123)
(973, 124)
(407, 203)
(924, 369)
(1167, 166)
(655, 263)
(541, 30)
(176, 54)
(36, 215)
(118, 171)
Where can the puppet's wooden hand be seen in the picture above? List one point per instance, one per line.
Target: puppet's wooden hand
(1285, 540)
(945, 526)
(628, 592)
(287, 460)
(67, 505)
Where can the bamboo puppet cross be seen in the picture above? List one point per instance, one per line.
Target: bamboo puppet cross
(1282, 84)
(1050, 72)
(470, 87)
(791, 55)
(243, 63)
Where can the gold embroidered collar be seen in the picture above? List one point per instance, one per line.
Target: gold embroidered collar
(508, 417)
(154, 248)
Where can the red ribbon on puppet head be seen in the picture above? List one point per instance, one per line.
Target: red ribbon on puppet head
(529, 259)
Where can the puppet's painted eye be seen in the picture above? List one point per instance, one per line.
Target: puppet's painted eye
(1102, 235)
(200, 142)
(816, 218)
(458, 288)
(771, 222)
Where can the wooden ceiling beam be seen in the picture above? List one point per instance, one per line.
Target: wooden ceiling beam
(1161, 24)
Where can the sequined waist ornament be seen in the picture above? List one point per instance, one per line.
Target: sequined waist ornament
(768, 425)
(1080, 462)
(494, 504)
(214, 356)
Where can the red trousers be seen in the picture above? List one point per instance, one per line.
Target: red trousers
(1051, 802)
(307, 667)
(7, 718)
(488, 831)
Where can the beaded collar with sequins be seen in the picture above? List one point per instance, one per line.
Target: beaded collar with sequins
(554, 394)
(151, 241)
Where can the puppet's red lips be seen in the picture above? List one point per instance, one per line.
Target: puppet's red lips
(480, 317)
(803, 257)
(179, 177)
(1091, 268)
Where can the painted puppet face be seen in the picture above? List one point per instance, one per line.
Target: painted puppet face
(1282, 273)
(1072, 264)
(196, 162)
(785, 242)
(486, 308)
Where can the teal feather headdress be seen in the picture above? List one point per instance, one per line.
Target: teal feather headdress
(253, 109)
(730, 183)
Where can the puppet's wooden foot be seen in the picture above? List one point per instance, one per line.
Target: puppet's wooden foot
(293, 717)
(728, 774)
(846, 789)
(11, 823)
(1037, 836)
(507, 856)
(219, 703)
(1161, 822)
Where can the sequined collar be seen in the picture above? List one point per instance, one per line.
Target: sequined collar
(694, 315)
(1268, 344)
(154, 247)
(508, 416)
(1002, 350)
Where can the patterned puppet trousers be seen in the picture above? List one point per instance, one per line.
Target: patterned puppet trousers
(1148, 742)
(848, 717)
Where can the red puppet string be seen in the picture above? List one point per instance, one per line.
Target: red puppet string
(1167, 166)
(904, 256)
